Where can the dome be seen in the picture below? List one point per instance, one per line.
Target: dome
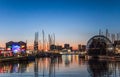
(99, 45)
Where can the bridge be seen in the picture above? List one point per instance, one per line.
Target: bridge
(99, 45)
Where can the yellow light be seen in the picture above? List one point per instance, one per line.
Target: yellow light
(22, 46)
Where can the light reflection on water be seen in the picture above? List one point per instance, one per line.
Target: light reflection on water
(65, 66)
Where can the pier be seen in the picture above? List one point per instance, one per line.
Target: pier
(30, 57)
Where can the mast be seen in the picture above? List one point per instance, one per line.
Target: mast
(107, 33)
(50, 41)
(36, 42)
(54, 38)
(99, 31)
(43, 39)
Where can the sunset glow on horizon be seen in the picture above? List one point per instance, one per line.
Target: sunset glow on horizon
(73, 21)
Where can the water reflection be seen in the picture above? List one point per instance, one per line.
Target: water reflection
(103, 68)
(65, 66)
(97, 68)
(13, 67)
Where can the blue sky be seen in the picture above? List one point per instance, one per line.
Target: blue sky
(72, 21)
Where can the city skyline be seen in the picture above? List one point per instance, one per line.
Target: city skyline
(72, 21)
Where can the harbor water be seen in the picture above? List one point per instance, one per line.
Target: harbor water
(64, 66)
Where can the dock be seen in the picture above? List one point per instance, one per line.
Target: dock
(29, 57)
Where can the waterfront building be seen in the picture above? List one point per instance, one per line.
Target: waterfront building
(79, 47)
(66, 46)
(71, 48)
(16, 47)
(52, 47)
(83, 47)
(56, 47)
(117, 46)
(59, 47)
(99, 45)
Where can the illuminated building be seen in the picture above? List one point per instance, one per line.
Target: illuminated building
(16, 47)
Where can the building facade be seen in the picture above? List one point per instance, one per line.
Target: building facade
(16, 47)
